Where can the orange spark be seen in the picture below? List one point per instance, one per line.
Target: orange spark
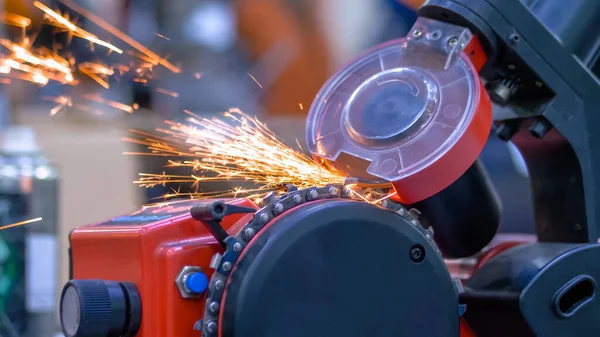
(239, 150)
(162, 36)
(20, 223)
(255, 80)
(301, 106)
(15, 20)
(113, 104)
(120, 35)
(64, 22)
(48, 63)
(198, 75)
(143, 57)
(61, 103)
(95, 77)
(97, 72)
(167, 92)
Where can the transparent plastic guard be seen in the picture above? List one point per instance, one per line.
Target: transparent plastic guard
(397, 107)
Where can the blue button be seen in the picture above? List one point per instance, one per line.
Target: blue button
(196, 282)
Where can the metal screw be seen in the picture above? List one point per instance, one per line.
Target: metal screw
(237, 247)
(264, 218)
(349, 193)
(312, 194)
(417, 33)
(538, 84)
(297, 198)
(514, 37)
(453, 41)
(227, 266)
(385, 204)
(278, 208)
(417, 253)
(198, 325)
(219, 284)
(333, 191)
(213, 307)
(211, 326)
(511, 67)
(249, 233)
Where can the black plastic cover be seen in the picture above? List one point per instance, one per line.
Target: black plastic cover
(340, 268)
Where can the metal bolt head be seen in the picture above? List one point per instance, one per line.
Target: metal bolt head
(312, 194)
(297, 198)
(512, 67)
(211, 326)
(538, 84)
(227, 266)
(198, 325)
(249, 233)
(213, 307)
(237, 247)
(264, 217)
(333, 191)
(453, 41)
(385, 204)
(539, 129)
(349, 193)
(417, 33)
(278, 208)
(219, 284)
(417, 253)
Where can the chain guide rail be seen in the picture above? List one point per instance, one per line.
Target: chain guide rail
(275, 206)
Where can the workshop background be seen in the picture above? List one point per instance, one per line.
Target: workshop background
(289, 47)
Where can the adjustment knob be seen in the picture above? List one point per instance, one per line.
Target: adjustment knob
(96, 308)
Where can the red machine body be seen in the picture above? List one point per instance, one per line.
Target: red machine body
(149, 248)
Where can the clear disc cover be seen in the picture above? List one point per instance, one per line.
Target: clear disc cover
(398, 107)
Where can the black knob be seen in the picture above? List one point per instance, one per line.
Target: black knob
(96, 308)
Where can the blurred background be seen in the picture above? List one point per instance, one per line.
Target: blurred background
(267, 57)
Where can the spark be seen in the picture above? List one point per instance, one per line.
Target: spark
(301, 106)
(255, 80)
(97, 72)
(15, 20)
(64, 22)
(61, 103)
(120, 35)
(198, 75)
(376, 201)
(167, 92)
(236, 149)
(21, 223)
(49, 66)
(162, 36)
(113, 104)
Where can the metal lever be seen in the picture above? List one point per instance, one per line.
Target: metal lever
(211, 215)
